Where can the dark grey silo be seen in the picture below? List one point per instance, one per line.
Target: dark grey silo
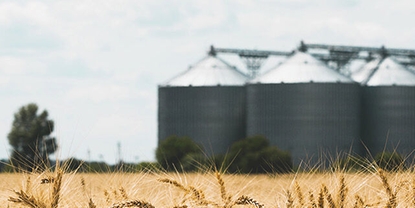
(212, 116)
(206, 103)
(314, 112)
(388, 118)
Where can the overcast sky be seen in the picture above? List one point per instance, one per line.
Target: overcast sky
(95, 64)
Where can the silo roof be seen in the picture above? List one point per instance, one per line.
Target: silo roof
(302, 68)
(362, 74)
(390, 72)
(210, 71)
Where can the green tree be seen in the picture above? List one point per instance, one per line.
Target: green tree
(171, 152)
(255, 155)
(30, 139)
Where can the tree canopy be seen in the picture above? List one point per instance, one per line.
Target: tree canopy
(174, 151)
(30, 139)
(256, 155)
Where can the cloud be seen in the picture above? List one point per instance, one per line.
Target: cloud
(99, 93)
(119, 125)
(32, 13)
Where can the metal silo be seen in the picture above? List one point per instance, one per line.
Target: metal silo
(389, 108)
(305, 108)
(365, 71)
(205, 103)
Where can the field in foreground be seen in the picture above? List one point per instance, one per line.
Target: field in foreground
(57, 189)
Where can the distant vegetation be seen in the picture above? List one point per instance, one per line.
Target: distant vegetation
(250, 155)
(176, 153)
(30, 138)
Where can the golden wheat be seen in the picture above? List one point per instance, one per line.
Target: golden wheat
(132, 203)
(210, 189)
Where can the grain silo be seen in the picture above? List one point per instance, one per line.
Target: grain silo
(365, 71)
(206, 103)
(388, 121)
(305, 108)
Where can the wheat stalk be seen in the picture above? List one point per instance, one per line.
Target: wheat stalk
(174, 183)
(299, 193)
(413, 192)
(358, 202)
(290, 200)
(329, 198)
(392, 203)
(132, 203)
(107, 196)
(197, 195)
(123, 193)
(56, 189)
(311, 199)
(245, 200)
(342, 192)
(28, 184)
(225, 198)
(320, 199)
(91, 204)
(27, 200)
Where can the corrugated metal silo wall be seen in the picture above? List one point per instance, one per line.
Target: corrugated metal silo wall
(212, 116)
(389, 116)
(313, 121)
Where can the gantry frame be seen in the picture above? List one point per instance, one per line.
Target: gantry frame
(336, 56)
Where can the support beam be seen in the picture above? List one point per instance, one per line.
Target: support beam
(253, 59)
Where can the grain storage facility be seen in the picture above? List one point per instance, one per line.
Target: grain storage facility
(302, 106)
(306, 108)
(205, 103)
(389, 108)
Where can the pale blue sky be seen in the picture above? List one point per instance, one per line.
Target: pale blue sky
(95, 64)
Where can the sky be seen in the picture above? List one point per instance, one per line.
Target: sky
(95, 65)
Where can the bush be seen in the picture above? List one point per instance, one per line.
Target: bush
(97, 167)
(148, 167)
(390, 161)
(255, 155)
(74, 165)
(193, 162)
(171, 152)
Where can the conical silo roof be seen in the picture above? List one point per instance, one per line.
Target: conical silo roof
(301, 68)
(210, 71)
(365, 71)
(389, 72)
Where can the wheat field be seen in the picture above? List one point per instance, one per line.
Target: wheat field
(376, 188)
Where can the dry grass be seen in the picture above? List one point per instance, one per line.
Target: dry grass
(210, 189)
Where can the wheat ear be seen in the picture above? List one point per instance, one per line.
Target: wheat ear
(391, 196)
(329, 198)
(290, 200)
(358, 202)
(320, 199)
(245, 200)
(225, 198)
(132, 203)
(91, 204)
(27, 200)
(299, 194)
(342, 192)
(56, 189)
(311, 199)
